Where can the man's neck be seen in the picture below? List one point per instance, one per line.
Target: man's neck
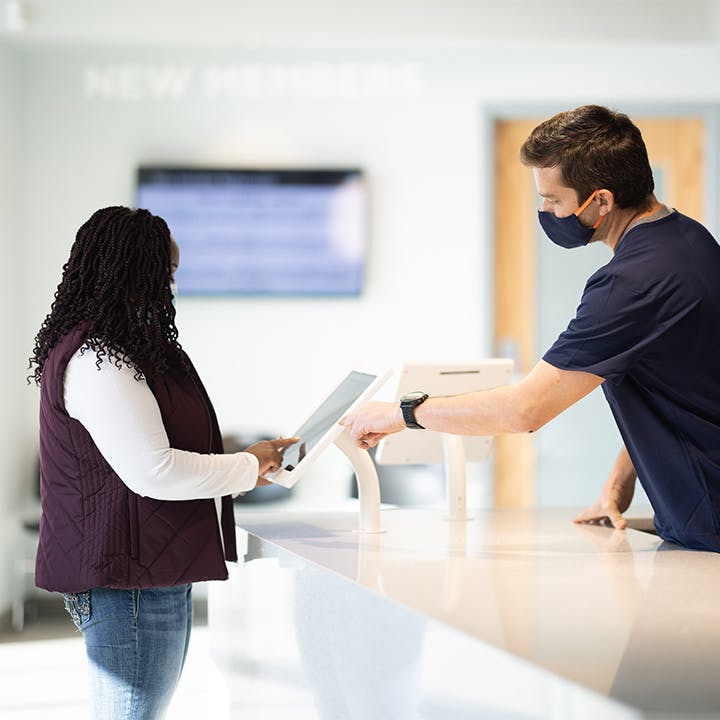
(620, 220)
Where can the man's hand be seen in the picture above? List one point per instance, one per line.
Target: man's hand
(606, 510)
(369, 424)
(615, 497)
(270, 454)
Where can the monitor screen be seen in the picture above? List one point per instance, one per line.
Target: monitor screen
(262, 232)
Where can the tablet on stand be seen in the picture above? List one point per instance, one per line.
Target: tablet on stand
(321, 429)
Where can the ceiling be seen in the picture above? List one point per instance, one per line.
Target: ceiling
(399, 24)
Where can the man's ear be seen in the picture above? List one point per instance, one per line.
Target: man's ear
(605, 200)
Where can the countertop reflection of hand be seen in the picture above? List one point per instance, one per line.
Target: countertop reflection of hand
(606, 541)
(270, 455)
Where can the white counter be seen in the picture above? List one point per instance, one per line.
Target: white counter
(514, 614)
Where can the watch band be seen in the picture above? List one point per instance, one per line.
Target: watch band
(408, 403)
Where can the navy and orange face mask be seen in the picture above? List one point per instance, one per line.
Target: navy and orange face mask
(568, 232)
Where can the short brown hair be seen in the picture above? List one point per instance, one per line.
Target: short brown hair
(594, 147)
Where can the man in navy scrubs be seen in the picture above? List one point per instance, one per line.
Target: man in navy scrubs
(647, 330)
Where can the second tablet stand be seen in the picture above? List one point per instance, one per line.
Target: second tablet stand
(455, 476)
(369, 485)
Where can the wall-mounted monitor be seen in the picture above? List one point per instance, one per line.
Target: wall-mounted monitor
(262, 232)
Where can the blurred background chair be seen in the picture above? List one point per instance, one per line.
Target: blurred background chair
(26, 541)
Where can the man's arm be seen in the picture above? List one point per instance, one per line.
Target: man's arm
(616, 495)
(523, 407)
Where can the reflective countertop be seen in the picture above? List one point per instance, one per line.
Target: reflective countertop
(620, 613)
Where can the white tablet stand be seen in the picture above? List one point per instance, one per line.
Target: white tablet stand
(417, 447)
(455, 476)
(367, 481)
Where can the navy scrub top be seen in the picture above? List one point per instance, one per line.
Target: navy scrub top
(649, 324)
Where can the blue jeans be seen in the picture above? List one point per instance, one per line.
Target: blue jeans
(136, 642)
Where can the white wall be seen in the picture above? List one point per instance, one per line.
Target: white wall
(266, 360)
(12, 272)
(413, 117)
(427, 291)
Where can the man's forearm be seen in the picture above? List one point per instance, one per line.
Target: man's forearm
(623, 472)
(487, 412)
(521, 408)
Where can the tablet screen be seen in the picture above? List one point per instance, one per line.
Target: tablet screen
(326, 416)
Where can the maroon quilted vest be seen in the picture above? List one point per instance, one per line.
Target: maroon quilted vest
(96, 532)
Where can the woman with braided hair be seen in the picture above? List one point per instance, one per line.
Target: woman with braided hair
(136, 491)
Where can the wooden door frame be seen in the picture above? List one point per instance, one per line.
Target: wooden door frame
(518, 492)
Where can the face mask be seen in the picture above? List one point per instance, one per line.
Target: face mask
(568, 232)
(173, 291)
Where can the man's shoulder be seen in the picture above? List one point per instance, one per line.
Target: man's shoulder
(674, 224)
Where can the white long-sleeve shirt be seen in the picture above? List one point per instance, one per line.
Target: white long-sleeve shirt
(123, 418)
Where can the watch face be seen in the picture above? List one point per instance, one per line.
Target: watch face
(412, 397)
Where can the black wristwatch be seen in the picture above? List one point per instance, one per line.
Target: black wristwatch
(408, 403)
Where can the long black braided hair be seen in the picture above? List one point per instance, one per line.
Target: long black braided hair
(117, 281)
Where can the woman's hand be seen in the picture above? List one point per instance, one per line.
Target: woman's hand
(270, 455)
